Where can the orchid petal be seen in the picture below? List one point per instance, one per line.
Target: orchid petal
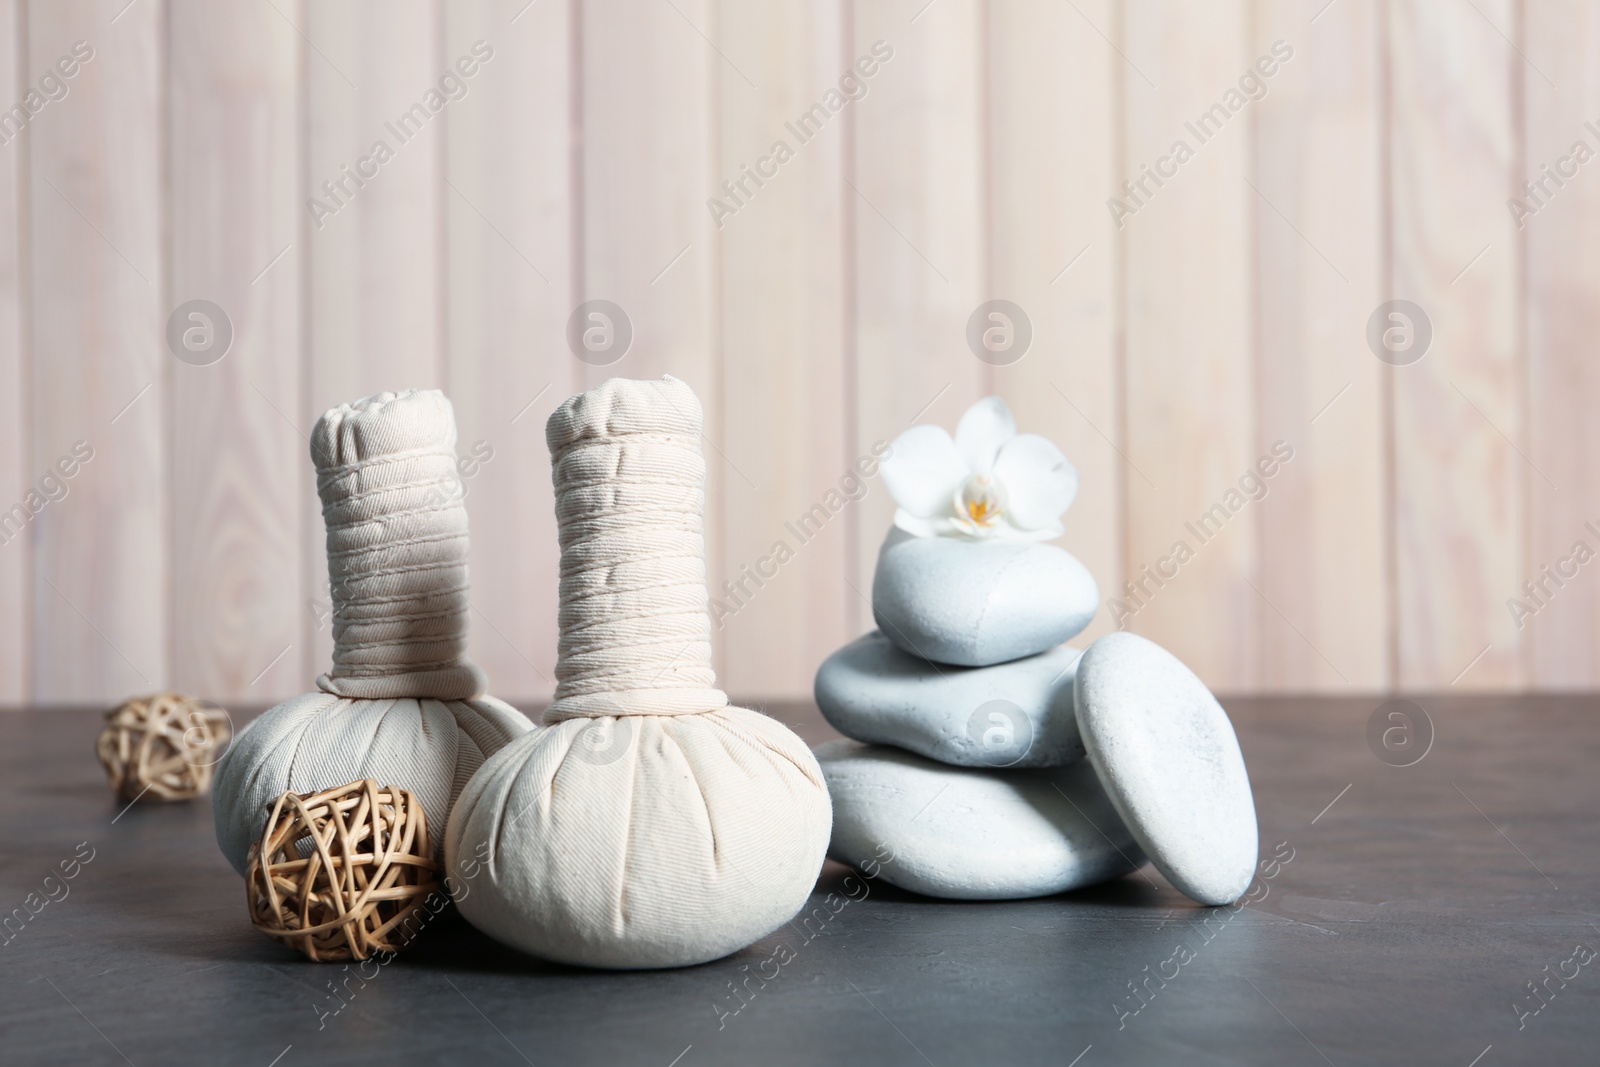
(916, 525)
(1043, 533)
(922, 469)
(1039, 482)
(985, 427)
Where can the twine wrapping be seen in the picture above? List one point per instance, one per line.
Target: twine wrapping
(392, 502)
(630, 495)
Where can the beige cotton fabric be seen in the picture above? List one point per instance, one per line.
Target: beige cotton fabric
(647, 823)
(401, 702)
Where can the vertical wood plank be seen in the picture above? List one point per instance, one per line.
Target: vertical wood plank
(375, 292)
(786, 420)
(1190, 422)
(1460, 484)
(1053, 142)
(237, 460)
(1559, 617)
(509, 209)
(15, 551)
(376, 262)
(98, 360)
(921, 262)
(648, 83)
(1318, 220)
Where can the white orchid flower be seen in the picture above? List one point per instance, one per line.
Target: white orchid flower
(989, 481)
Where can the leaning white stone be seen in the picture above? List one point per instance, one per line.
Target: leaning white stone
(1016, 714)
(970, 834)
(976, 603)
(1171, 763)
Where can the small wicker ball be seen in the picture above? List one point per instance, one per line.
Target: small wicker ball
(338, 874)
(164, 745)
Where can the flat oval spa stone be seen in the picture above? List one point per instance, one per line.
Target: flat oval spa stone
(977, 603)
(1016, 714)
(969, 834)
(1169, 759)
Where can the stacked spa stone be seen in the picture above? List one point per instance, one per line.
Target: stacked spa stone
(988, 760)
(991, 761)
(966, 762)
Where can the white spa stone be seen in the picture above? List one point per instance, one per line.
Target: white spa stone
(1168, 757)
(1016, 714)
(977, 603)
(970, 834)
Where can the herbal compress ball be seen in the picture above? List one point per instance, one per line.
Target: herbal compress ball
(401, 704)
(646, 823)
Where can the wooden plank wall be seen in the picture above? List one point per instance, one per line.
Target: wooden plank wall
(1199, 314)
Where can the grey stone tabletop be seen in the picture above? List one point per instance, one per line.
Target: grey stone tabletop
(1425, 896)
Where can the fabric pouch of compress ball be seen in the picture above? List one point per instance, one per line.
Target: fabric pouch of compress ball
(647, 823)
(401, 703)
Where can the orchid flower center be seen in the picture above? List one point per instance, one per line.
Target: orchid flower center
(981, 501)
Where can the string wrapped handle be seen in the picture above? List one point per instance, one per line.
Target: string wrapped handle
(630, 496)
(392, 501)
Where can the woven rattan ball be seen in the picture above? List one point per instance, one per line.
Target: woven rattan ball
(164, 745)
(338, 874)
